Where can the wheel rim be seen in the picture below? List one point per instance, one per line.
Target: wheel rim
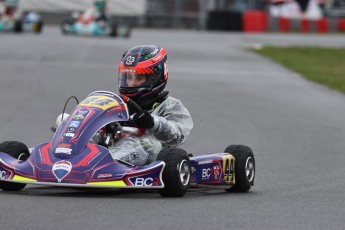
(184, 172)
(250, 169)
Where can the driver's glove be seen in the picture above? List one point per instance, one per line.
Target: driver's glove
(144, 120)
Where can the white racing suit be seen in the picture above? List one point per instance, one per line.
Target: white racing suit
(172, 126)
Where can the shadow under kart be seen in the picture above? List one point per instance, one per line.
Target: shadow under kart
(70, 160)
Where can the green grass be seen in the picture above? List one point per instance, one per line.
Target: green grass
(323, 65)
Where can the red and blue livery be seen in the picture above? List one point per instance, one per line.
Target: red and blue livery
(71, 160)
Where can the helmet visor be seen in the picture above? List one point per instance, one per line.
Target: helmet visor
(130, 78)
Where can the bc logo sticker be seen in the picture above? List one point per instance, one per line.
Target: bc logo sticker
(139, 181)
(3, 175)
(61, 169)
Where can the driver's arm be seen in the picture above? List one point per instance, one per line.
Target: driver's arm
(172, 123)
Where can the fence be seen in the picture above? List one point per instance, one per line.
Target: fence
(259, 21)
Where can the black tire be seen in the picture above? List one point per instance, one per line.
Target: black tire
(123, 31)
(128, 33)
(68, 23)
(113, 32)
(63, 30)
(244, 159)
(18, 26)
(177, 161)
(17, 150)
(38, 27)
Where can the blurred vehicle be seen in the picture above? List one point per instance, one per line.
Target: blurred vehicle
(31, 22)
(92, 23)
(12, 21)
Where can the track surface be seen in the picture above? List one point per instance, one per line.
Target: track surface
(296, 129)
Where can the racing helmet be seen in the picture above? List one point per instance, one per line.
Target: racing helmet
(143, 72)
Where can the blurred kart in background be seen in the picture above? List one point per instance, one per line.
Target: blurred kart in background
(19, 22)
(92, 24)
(30, 22)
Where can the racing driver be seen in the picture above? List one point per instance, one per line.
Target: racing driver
(142, 76)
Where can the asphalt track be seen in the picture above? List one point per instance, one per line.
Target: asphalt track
(296, 129)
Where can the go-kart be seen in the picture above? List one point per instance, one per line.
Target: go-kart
(71, 160)
(30, 22)
(91, 24)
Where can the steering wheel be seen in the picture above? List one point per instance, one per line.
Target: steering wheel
(136, 108)
(132, 104)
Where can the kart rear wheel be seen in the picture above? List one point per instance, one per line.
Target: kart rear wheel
(37, 27)
(19, 151)
(123, 31)
(177, 172)
(18, 26)
(244, 167)
(65, 25)
(113, 30)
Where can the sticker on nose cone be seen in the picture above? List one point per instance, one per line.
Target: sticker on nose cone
(61, 169)
(4, 173)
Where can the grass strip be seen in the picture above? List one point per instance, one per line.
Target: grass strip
(322, 65)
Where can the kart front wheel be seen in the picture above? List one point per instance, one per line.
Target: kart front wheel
(113, 30)
(244, 167)
(65, 26)
(18, 26)
(16, 150)
(177, 172)
(37, 27)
